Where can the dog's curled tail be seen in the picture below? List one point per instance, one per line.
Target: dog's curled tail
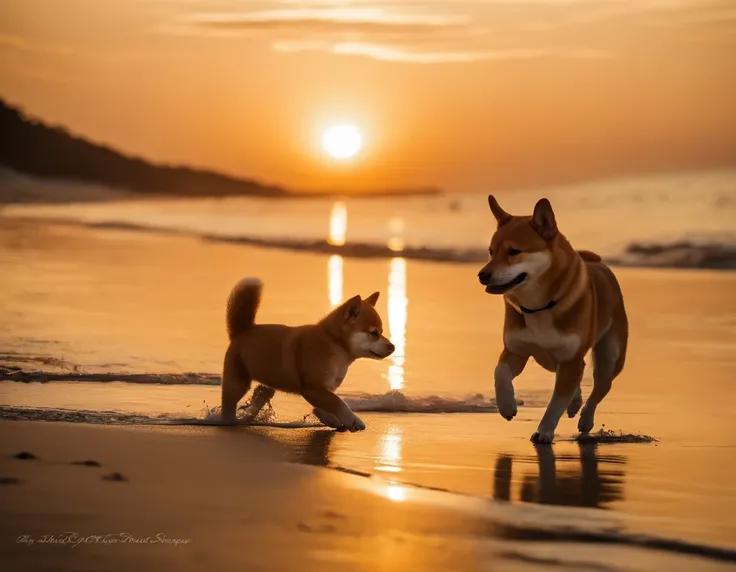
(242, 306)
(589, 256)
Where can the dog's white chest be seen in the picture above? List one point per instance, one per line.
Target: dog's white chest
(337, 373)
(541, 333)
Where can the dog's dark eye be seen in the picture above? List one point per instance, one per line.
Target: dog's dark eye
(375, 334)
(514, 251)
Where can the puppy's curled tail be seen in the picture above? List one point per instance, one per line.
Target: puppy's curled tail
(242, 306)
(589, 256)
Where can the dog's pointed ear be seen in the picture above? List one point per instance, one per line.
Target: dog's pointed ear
(543, 220)
(352, 308)
(373, 298)
(502, 217)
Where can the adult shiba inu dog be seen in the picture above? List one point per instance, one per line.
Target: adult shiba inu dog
(560, 303)
(310, 360)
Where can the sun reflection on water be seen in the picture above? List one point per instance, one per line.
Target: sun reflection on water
(397, 303)
(338, 231)
(390, 454)
(334, 277)
(396, 493)
(338, 223)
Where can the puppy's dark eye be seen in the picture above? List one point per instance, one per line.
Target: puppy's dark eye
(375, 334)
(513, 251)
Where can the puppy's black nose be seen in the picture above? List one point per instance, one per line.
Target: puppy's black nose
(484, 276)
(391, 348)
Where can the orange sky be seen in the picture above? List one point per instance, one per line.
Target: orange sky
(468, 95)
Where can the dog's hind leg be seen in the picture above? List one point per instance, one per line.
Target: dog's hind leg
(235, 384)
(576, 403)
(609, 355)
(567, 380)
(262, 394)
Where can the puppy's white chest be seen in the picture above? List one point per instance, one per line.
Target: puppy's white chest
(338, 371)
(540, 332)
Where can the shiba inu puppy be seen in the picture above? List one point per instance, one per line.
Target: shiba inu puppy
(560, 303)
(310, 360)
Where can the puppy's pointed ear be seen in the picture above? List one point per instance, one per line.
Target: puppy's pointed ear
(352, 308)
(543, 220)
(373, 298)
(502, 217)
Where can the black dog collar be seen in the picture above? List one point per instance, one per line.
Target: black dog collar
(549, 306)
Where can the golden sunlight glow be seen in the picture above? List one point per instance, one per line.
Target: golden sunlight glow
(396, 225)
(342, 141)
(338, 224)
(397, 303)
(389, 459)
(395, 244)
(334, 278)
(396, 493)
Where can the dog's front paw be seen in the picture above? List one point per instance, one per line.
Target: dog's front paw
(351, 424)
(357, 424)
(543, 437)
(327, 418)
(506, 401)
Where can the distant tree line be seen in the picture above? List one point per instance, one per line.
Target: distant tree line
(29, 146)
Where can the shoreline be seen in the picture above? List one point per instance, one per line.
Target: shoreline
(278, 514)
(678, 255)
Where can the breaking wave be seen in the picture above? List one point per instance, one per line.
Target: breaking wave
(207, 417)
(397, 402)
(715, 253)
(390, 402)
(22, 368)
(350, 250)
(708, 254)
(12, 373)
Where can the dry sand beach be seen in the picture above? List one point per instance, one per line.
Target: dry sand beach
(127, 328)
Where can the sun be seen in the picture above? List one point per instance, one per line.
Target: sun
(342, 141)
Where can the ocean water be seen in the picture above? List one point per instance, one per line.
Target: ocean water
(603, 216)
(128, 327)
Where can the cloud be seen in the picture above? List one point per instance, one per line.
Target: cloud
(409, 36)
(330, 20)
(563, 14)
(19, 44)
(388, 53)
(628, 5)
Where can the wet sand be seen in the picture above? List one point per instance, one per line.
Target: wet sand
(120, 498)
(105, 300)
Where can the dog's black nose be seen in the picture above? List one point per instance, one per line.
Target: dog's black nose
(391, 348)
(484, 276)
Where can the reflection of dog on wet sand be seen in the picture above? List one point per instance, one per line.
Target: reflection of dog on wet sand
(311, 448)
(310, 360)
(560, 303)
(589, 484)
